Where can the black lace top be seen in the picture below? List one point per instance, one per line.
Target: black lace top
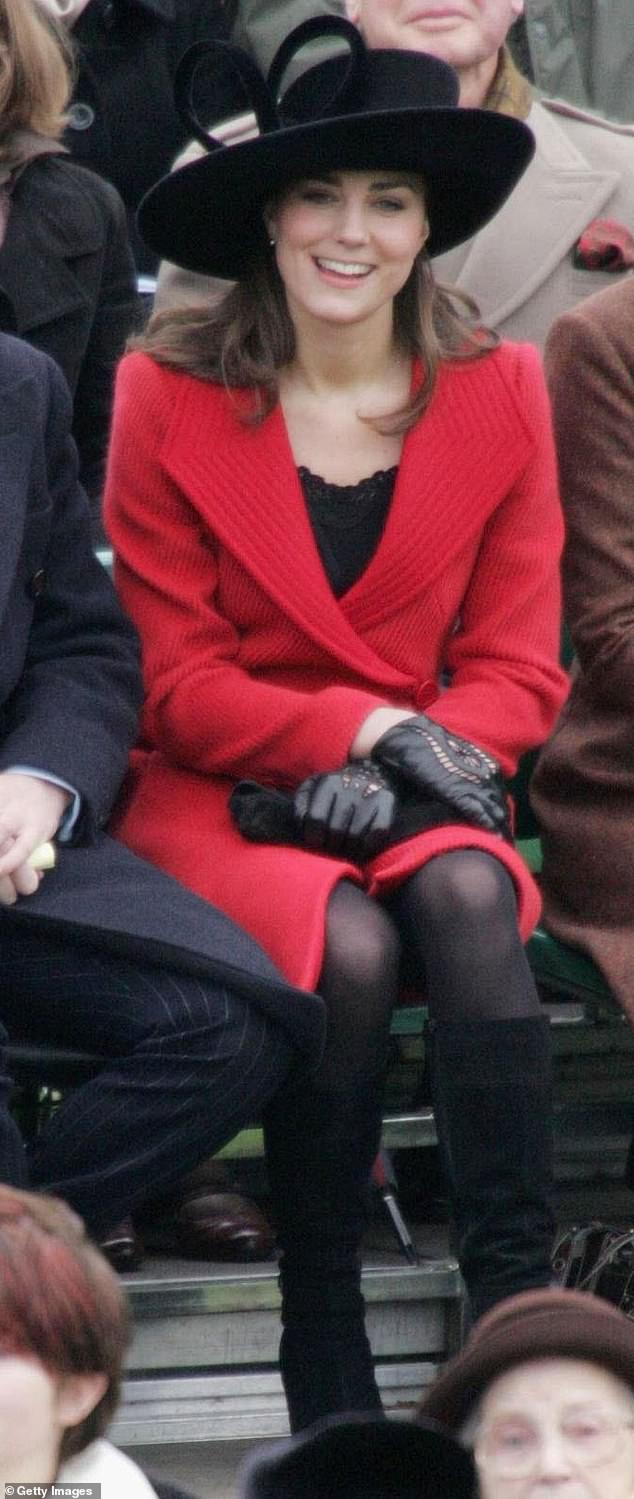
(348, 521)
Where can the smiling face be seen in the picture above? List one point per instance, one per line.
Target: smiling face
(346, 243)
(564, 1425)
(464, 33)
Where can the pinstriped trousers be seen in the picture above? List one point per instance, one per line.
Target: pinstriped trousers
(187, 1063)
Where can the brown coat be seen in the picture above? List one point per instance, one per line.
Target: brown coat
(583, 791)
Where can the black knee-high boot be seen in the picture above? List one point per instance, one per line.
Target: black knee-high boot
(320, 1148)
(493, 1104)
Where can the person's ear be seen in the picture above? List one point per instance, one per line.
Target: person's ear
(77, 1395)
(353, 11)
(517, 7)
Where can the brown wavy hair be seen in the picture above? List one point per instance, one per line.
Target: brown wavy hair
(36, 71)
(247, 336)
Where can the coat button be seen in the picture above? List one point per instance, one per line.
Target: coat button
(36, 585)
(81, 116)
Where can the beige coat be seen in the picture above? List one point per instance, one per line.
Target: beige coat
(519, 268)
(583, 791)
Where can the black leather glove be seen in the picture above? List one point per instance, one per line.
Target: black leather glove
(347, 812)
(441, 765)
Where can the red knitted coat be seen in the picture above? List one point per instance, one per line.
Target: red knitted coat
(254, 668)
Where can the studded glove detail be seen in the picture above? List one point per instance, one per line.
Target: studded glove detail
(442, 765)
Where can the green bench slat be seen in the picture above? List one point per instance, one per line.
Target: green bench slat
(554, 963)
(566, 968)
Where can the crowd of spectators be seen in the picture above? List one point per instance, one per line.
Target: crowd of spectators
(539, 1400)
(262, 931)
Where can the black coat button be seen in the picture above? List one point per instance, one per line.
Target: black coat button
(81, 116)
(36, 585)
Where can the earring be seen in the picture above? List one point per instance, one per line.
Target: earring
(272, 243)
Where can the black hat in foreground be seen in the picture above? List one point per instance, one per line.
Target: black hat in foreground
(364, 110)
(551, 1323)
(360, 1457)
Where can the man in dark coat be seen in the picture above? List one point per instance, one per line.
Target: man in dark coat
(123, 120)
(105, 953)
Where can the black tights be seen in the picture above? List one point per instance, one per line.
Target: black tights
(322, 1134)
(450, 931)
(321, 1140)
(359, 984)
(457, 919)
(454, 926)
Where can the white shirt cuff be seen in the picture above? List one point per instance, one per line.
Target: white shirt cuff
(67, 824)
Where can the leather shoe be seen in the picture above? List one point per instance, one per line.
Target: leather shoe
(122, 1247)
(207, 1224)
(222, 1226)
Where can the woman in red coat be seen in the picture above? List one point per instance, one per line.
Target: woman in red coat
(333, 502)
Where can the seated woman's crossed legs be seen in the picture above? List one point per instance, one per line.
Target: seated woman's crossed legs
(490, 1068)
(453, 927)
(321, 1139)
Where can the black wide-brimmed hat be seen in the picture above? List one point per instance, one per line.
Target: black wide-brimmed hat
(362, 110)
(359, 1457)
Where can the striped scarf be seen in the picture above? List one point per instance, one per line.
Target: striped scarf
(510, 92)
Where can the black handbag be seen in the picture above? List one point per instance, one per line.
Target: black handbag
(598, 1257)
